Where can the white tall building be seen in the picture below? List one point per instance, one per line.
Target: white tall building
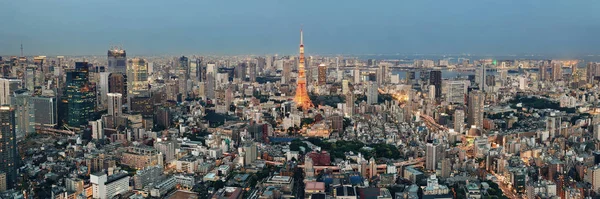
(345, 87)
(456, 92)
(553, 124)
(459, 120)
(356, 76)
(522, 83)
(103, 90)
(7, 87)
(106, 187)
(372, 93)
(97, 129)
(434, 154)
(115, 104)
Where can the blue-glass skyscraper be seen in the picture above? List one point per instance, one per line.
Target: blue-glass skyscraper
(79, 96)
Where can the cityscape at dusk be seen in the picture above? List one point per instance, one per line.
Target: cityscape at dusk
(299, 99)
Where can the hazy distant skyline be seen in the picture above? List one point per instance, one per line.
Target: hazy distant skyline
(75, 27)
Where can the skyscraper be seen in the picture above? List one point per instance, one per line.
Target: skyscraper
(250, 153)
(115, 104)
(556, 71)
(30, 77)
(435, 78)
(592, 71)
(45, 107)
(102, 88)
(476, 103)
(349, 103)
(434, 154)
(410, 77)
(252, 70)
(8, 146)
(240, 71)
(79, 95)
(24, 113)
(553, 124)
(286, 73)
(7, 87)
(456, 92)
(301, 98)
(382, 74)
(322, 80)
(183, 67)
(543, 76)
(117, 60)
(372, 93)
(117, 83)
(459, 120)
(339, 73)
(137, 77)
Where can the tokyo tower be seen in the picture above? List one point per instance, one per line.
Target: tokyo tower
(301, 98)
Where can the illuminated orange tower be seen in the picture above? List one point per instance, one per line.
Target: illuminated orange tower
(301, 98)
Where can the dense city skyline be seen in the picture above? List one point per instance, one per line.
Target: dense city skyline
(267, 27)
(299, 100)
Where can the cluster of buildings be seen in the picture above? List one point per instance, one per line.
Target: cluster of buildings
(297, 127)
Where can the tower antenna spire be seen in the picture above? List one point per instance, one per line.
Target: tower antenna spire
(301, 35)
(21, 48)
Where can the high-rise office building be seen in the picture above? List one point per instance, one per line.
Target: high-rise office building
(433, 155)
(476, 103)
(339, 73)
(8, 146)
(29, 77)
(382, 74)
(115, 104)
(592, 71)
(252, 71)
(24, 113)
(102, 89)
(250, 153)
(410, 77)
(183, 67)
(79, 95)
(435, 78)
(322, 75)
(117, 60)
(97, 129)
(553, 124)
(556, 71)
(459, 120)
(210, 86)
(543, 76)
(349, 103)
(7, 87)
(196, 70)
(456, 92)
(240, 71)
(117, 83)
(356, 75)
(137, 77)
(286, 73)
(46, 111)
(372, 93)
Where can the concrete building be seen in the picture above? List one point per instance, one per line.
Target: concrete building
(145, 176)
(140, 157)
(106, 187)
(475, 112)
(372, 93)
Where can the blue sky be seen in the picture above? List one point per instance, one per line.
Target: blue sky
(90, 27)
